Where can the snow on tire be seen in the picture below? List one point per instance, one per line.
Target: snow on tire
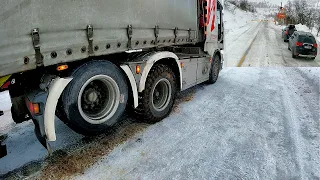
(215, 69)
(158, 97)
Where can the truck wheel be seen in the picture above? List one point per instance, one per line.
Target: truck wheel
(19, 110)
(95, 99)
(214, 70)
(158, 97)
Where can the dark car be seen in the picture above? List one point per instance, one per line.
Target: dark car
(303, 44)
(288, 31)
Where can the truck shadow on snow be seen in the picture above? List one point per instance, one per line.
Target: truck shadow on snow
(76, 153)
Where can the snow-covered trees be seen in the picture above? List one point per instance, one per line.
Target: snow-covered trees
(243, 4)
(317, 22)
(301, 11)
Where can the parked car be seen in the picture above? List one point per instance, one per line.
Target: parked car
(303, 44)
(288, 31)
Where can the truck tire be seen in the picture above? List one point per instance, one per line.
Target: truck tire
(158, 97)
(215, 69)
(95, 99)
(19, 110)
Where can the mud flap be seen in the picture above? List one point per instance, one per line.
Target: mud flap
(38, 120)
(3, 150)
(3, 147)
(42, 139)
(47, 99)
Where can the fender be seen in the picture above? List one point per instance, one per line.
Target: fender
(134, 88)
(221, 57)
(151, 60)
(55, 90)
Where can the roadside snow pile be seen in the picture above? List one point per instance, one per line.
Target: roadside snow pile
(301, 27)
(5, 104)
(235, 18)
(6, 122)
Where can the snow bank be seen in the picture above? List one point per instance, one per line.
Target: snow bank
(5, 104)
(235, 18)
(6, 122)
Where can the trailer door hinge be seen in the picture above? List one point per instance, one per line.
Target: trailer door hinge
(90, 38)
(156, 34)
(189, 33)
(129, 32)
(35, 34)
(175, 31)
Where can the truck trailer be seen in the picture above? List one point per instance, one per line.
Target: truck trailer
(87, 61)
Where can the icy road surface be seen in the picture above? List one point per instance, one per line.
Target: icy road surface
(254, 123)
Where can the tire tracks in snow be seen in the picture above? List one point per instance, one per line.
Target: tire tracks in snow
(300, 146)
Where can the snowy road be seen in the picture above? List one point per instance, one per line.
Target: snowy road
(254, 123)
(269, 50)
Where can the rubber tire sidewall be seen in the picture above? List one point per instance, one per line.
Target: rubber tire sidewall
(70, 96)
(213, 76)
(150, 115)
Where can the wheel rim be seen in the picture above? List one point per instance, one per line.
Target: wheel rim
(161, 94)
(98, 99)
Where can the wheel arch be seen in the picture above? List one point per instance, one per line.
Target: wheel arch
(167, 58)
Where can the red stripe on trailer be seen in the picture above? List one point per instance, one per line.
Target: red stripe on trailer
(214, 15)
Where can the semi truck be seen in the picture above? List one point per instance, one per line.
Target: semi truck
(88, 61)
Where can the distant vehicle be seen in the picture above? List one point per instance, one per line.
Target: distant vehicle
(288, 31)
(303, 44)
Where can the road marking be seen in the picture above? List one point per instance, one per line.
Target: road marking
(247, 51)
